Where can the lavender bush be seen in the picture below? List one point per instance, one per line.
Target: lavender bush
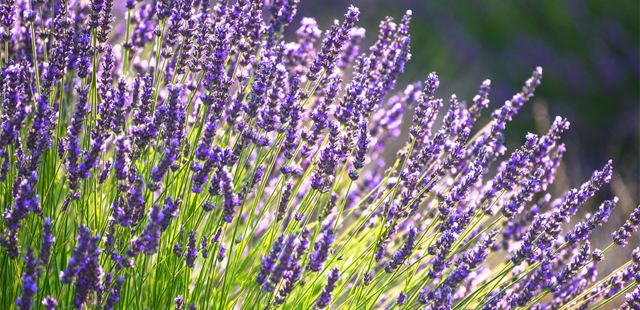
(199, 159)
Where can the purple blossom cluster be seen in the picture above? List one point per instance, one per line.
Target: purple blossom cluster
(84, 267)
(284, 265)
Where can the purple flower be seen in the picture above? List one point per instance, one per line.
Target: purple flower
(173, 119)
(579, 261)
(441, 250)
(268, 114)
(525, 193)
(257, 177)
(15, 111)
(480, 101)
(179, 303)
(25, 200)
(472, 259)
(192, 250)
(202, 172)
(216, 237)
(548, 141)
(291, 169)
(84, 52)
(460, 190)
(78, 256)
(104, 175)
(573, 199)
(631, 225)
(361, 149)
(106, 76)
(527, 246)
(148, 240)
(427, 108)
(47, 242)
(321, 250)
(120, 98)
(512, 106)
(281, 15)
(292, 275)
(268, 261)
(632, 300)
(114, 294)
(29, 281)
(507, 111)
(208, 206)
(100, 131)
(263, 81)
(332, 44)
(384, 240)
(582, 230)
(403, 253)
(122, 161)
(203, 247)
(349, 108)
(291, 142)
(230, 198)
(144, 128)
(222, 251)
(289, 111)
(84, 267)
(109, 236)
(4, 169)
(402, 297)
(49, 303)
(322, 179)
(331, 204)
(170, 211)
(507, 178)
(285, 258)
(135, 203)
(541, 277)
(290, 279)
(324, 300)
(177, 248)
(284, 201)
(320, 115)
(10, 242)
(105, 19)
(366, 278)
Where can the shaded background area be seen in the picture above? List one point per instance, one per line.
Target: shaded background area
(589, 51)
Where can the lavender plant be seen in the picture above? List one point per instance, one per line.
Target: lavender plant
(200, 158)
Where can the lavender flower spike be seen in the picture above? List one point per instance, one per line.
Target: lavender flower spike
(321, 253)
(29, 282)
(114, 295)
(631, 225)
(268, 261)
(402, 298)
(78, 256)
(49, 303)
(192, 250)
(47, 243)
(582, 230)
(327, 293)
(230, 198)
(403, 253)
